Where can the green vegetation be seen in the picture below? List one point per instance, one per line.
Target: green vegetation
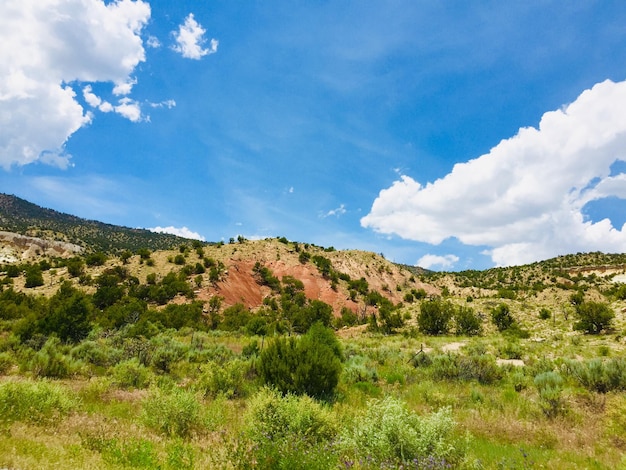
(115, 362)
(20, 216)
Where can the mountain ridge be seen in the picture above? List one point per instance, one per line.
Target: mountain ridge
(22, 217)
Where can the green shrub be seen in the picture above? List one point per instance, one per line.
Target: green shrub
(467, 322)
(6, 362)
(166, 352)
(37, 402)
(434, 317)
(518, 379)
(34, 278)
(50, 361)
(390, 435)
(482, 368)
(356, 370)
(70, 315)
(276, 416)
(131, 374)
(510, 350)
(549, 387)
(445, 367)
(593, 317)
(309, 365)
(599, 375)
(502, 318)
(545, 314)
(228, 379)
(96, 353)
(175, 412)
(285, 432)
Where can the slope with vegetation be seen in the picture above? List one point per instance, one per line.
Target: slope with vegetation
(25, 218)
(276, 354)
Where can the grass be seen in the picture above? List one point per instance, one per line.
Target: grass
(104, 424)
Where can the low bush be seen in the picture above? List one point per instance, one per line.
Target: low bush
(166, 351)
(175, 412)
(510, 350)
(482, 368)
(391, 436)
(550, 387)
(131, 374)
(288, 432)
(6, 362)
(276, 416)
(227, 379)
(356, 370)
(96, 353)
(598, 375)
(545, 314)
(50, 361)
(36, 402)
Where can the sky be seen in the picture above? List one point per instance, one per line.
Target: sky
(445, 134)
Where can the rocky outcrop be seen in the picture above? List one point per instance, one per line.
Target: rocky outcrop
(15, 247)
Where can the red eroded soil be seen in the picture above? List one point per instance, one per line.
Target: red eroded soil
(240, 285)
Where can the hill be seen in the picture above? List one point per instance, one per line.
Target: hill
(339, 278)
(162, 358)
(25, 218)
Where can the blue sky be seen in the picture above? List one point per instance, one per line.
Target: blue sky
(454, 135)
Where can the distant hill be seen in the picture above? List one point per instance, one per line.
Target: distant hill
(20, 216)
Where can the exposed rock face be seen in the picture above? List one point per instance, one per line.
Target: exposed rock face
(240, 285)
(16, 247)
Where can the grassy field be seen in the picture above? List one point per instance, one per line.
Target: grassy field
(197, 414)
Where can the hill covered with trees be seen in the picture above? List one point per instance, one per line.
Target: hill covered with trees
(20, 216)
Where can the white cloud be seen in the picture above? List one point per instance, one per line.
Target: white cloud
(524, 199)
(169, 104)
(181, 232)
(339, 211)
(190, 40)
(446, 261)
(47, 44)
(129, 109)
(91, 98)
(153, 42)
(125, 87)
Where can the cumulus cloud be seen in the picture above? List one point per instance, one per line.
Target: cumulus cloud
(190, 40)
(525, 198)
(48, 44)
(429, 261)
(129, 109)
(181, 232)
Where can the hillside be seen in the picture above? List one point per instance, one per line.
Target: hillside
(25, 218)
(174, 358)
(327, 275)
